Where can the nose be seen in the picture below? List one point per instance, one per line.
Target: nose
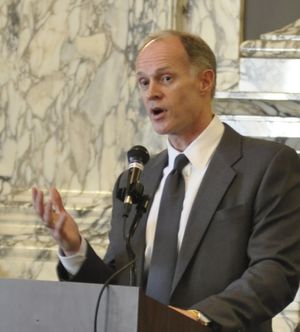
(154, 91)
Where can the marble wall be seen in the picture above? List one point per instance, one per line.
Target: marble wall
(69, 109)
(69, 103)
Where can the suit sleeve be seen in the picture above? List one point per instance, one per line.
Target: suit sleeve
(94, 269)
(270, 282)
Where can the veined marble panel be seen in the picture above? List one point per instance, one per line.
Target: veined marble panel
(270, 75)
(264, 126)
(272, 63)
(281, 43)
(258, 106)
(285, 49)
(253, 96)
(220, 23)
(270, 119)
(68, 98)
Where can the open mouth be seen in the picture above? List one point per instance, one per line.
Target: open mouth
(157, 111)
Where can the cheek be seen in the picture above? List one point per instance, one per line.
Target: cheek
(182, 92)
(177, 97)
(143, 98)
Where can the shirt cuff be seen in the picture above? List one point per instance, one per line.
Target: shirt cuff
(74, 262)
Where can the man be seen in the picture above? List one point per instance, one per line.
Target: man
(238, 258)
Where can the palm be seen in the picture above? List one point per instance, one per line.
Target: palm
(60, 223)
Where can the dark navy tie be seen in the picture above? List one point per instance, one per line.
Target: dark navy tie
(164, 255)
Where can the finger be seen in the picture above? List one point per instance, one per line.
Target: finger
(34, 196)
(48, 215)
(56, 199)
(33, 193)
(38, 202)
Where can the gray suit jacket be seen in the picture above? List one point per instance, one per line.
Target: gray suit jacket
(239, 261)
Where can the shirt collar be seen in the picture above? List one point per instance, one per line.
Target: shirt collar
(200, 151)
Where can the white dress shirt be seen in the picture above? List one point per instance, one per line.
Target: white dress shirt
(199, 153)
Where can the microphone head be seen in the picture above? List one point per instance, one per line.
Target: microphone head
(138, 153)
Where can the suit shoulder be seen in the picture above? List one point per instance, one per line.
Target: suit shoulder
(266, 146)
(258, 145)
(157, 159)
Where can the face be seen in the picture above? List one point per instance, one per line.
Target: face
(175, 94)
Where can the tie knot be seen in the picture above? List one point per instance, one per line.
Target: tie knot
(180, 161)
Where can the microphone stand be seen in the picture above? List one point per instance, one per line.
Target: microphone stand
(141, 201)
(140, 210)
(141, 207)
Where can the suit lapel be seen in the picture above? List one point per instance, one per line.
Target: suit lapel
(218, 177)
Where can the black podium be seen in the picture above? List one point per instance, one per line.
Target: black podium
(50, 306)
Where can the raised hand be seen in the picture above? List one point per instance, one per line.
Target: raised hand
(61, 225)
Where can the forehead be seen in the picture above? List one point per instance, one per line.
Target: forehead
(166, 52)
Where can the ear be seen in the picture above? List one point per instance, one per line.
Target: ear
(206, 80)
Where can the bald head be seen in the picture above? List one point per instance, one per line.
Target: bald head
(197, 50)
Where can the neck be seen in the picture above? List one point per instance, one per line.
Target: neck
(181, 142)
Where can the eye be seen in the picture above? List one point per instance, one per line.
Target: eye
(143, 83)
(166, 78)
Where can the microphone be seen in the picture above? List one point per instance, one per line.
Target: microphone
(137, 156)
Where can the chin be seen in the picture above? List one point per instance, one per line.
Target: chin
(160, 131)
(161, 128)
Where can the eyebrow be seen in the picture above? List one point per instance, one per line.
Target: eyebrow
(158, 71)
